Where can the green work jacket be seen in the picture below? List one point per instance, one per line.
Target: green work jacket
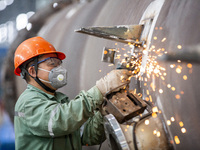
(46, 122)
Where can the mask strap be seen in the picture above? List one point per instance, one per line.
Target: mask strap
(44, 80)
(44, 69)
(38, 80)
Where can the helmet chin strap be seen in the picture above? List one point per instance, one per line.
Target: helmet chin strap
(43, 85)
(38, 80)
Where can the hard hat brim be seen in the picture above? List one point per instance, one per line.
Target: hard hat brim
(61, 56)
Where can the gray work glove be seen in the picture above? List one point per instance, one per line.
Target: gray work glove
(114, 81)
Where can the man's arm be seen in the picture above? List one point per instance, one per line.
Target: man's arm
(93, 133)
(49, 118)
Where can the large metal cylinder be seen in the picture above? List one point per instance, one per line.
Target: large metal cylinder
(146, 134)
(172, 86)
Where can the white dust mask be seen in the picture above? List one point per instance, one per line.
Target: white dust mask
(57, 77)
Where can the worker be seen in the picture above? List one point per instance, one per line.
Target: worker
(46, 119)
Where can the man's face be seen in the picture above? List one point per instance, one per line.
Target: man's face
(47, 65)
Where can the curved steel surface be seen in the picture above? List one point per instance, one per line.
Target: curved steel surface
(114, 131)
(175, 91)
(150, 134)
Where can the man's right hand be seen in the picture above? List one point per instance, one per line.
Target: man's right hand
(114, 81)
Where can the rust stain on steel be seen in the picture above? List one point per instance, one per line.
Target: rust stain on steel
(125, 105)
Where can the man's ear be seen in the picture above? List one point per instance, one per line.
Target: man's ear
(32, 71)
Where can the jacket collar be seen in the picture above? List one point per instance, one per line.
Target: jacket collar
(59, 96)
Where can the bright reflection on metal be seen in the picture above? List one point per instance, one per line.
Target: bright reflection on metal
(55, 5)
(2, 5)
(29, 26)
(9, 2)
(71, 13)
(30, 13)
(3, 33)
(21, 21)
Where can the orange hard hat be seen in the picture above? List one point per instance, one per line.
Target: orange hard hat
(31, 48)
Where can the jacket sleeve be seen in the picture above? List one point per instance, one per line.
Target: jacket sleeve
(93, 132)
(49, 118)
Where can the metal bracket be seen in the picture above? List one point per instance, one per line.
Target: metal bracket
(124, 105)
(108, 55)
(120, 33)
